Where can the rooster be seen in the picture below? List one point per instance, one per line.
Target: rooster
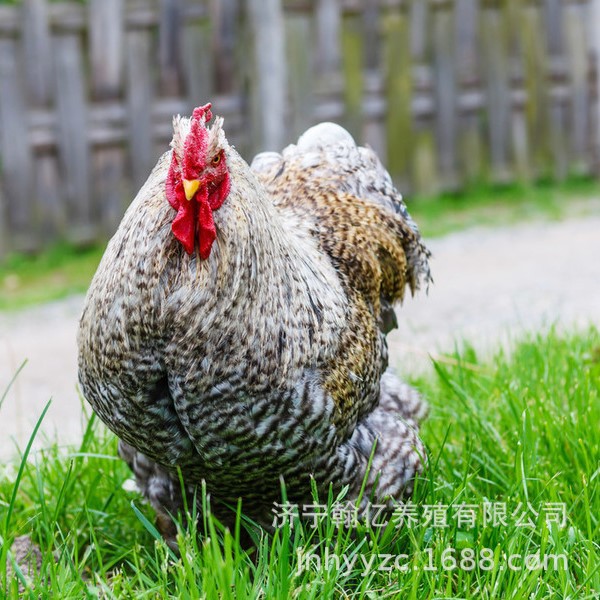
(235, 328)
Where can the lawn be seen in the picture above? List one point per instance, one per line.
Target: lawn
(508, 507)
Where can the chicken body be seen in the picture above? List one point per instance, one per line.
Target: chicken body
(267, 359)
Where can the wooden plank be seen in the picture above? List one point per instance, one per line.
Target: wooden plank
(73, 16)
(140, 94)
(106, 30)
(169, 47)
(530, 117)
(559, 113)
(231, 62)
(227, 38)
(15, 157)
(374, 132)
(198, 63)
(328, 84)
(49, 193)
(372, 33)
(328, 24)
(471, 149)
(299, 57)
(594, 21)
(353, 66)
(269, 74)
(106, 48)
(72, 127)
(577, 45)
(419, 27)
(558, 88)
(108, 122)
(554, 26)
(37, 51)
(424, 172)
(398, 92)
(445, 92)
(495, 68)
(111, 190)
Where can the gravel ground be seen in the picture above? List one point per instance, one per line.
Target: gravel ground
(490, 285)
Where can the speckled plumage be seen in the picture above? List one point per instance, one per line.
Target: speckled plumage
(267, 359)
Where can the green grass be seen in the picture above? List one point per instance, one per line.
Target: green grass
(63, 270)
(55, 274)
(521, 431)
(504, 205)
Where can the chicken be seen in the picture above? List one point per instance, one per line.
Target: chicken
(235, 328)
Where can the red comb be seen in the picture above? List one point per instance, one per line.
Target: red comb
(202, 112)
(196, 143)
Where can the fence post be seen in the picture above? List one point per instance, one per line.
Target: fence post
(299, 54)
(577, 46)
(353, 70)
(443, 19)
(140, 96)
(557, 99)
(398, 91)
(17, 163)
(269, 76)
(37, 45)
(595, 46)
(105, 25)
(470, 149)
(496, 69)
(72, 114)
(422, 157)
(328, 26)
(198, 63)
(169, 46)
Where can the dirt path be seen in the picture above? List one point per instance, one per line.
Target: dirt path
(489, 286)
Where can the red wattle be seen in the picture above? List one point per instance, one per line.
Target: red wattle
(184, 227)
(217, 198)
(207, 232)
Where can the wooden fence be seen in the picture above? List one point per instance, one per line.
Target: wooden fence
(449, 92)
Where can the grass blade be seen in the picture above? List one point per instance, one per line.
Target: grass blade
(22, 468)
(11, 382)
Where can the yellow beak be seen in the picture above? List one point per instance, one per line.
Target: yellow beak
(190, 187)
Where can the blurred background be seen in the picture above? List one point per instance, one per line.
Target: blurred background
(451, 93)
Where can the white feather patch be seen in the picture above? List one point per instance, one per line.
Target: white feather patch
(323, 135)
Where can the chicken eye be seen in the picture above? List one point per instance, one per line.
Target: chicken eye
(216, 160)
